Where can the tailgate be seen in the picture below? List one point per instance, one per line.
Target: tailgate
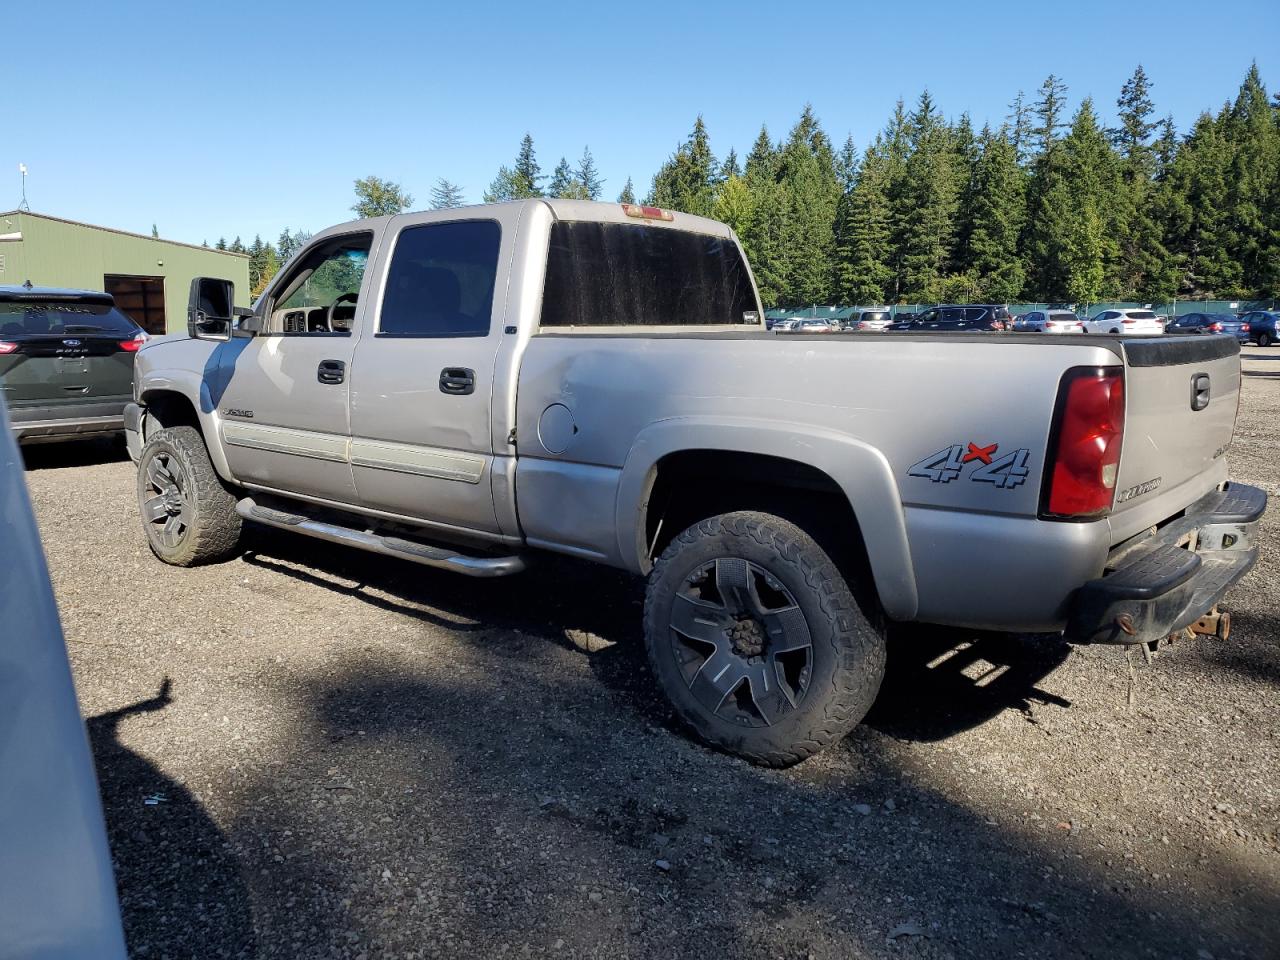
(1172, 436)
(52, 370)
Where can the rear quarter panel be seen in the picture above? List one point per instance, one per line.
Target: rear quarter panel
(911, 398)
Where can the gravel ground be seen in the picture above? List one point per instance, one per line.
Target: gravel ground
(364, 758)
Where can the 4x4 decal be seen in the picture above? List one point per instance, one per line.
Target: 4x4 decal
(947, 464)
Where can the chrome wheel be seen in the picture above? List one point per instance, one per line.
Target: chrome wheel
(741, 642)
(166, 504)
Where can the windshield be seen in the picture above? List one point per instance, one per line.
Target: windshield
(35, 318)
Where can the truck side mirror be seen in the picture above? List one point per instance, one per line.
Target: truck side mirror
(210, 308)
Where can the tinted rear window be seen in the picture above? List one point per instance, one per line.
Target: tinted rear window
(37, 318)
(876, 315)
(618, 274)
(1141, 314)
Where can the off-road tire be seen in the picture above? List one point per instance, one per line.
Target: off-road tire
(213, 532)
(848, 652)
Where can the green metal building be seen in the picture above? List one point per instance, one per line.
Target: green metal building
(149, 278)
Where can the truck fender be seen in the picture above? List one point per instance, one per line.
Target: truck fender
(195, 387)
(859, 469)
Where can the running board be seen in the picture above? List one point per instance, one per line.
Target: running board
(441, 557)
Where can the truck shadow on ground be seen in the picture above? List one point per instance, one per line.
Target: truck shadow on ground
(74, 453)
(179, 881)
(577, 810)
(939, 681)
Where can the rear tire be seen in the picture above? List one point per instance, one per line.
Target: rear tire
(757, 640)
(188, 515)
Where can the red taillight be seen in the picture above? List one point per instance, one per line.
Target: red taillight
(1084, 448)
(7, 347)
(132, 346)
(1128, 320)
(1215, 328)
(863, 325)
(1244, 328)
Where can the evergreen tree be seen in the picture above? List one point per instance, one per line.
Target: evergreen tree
(588, 176)
(1090, 245)
(734, 204)
(809, 190)
(221, 244)
(445, 195)
(730, 167)
(865, 270)
(1048, 112)
(528, 173)
(930, 194)
(686, 181)
(237, 246)
(155, 233)
(1142, 269)
(762, 237)
(562, 184)
(1019, 126)
(998, 215)
(519, 182)
(376, 197)
(1253, 184)
(628, 194)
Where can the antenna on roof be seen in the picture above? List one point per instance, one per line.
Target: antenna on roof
(22, 169)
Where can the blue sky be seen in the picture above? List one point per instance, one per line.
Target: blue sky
(224, 118)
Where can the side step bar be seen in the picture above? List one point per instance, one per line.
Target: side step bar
(441, 557)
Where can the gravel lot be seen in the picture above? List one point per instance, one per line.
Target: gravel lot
(365, 758)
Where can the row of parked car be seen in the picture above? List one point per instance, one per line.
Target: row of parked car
(1258, 326)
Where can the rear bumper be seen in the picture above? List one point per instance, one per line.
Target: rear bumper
(63, 421)
(1160, 583)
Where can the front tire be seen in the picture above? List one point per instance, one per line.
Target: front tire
(188, 515)
(1264, 339)
(757, 640)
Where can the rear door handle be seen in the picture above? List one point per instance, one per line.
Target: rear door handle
(331, 371)
(457, 381)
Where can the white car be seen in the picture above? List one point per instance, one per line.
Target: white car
(870, 318)
(1049, 321)
(1134, 323)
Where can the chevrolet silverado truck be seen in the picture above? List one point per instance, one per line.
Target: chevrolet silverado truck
(466, 389)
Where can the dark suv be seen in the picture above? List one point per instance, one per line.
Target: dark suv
(66, 362)
(959, 317)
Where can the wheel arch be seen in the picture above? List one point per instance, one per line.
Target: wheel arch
(802, 460)
(172, 399)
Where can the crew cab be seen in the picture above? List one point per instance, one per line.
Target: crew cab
(468, 388)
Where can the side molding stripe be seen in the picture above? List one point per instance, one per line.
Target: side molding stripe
(420, 461)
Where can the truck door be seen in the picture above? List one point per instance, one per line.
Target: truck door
(422, 376)
(282, 396)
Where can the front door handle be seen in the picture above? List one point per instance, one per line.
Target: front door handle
(457, 381)
(331, 371)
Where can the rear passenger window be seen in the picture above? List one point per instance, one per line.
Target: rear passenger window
(622, 274)
(441, 280)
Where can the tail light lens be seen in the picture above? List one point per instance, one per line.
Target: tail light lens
(1244, 328)
(1128, 320)
(1215, 328)
(7, 347)
(1084, 445)
(135, 344)
(863, 325)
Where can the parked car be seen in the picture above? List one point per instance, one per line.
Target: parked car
(903, 316)
(1212, 323)
(812, 325)
(958, 318)
(871, 318)
(57, 891)
(606, 392)
(1262, 326)
(66, 362)
(1133, 323)
(1049, 321)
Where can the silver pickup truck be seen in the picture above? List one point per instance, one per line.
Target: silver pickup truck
(467, 388)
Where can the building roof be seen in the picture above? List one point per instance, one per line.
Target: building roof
(123, 233)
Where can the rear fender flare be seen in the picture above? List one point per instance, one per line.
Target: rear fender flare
(858, 469)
